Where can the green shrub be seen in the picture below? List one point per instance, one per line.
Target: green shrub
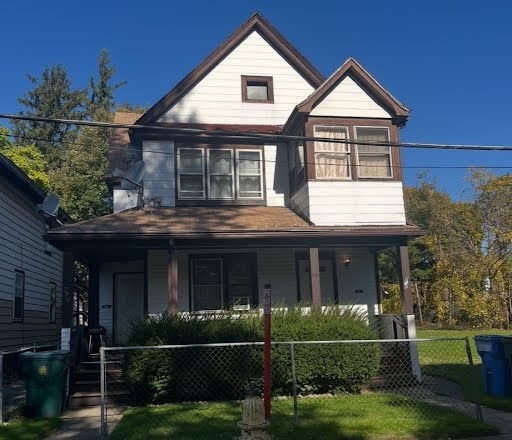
(223, 373)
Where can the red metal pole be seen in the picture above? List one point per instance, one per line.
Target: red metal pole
(267, 365)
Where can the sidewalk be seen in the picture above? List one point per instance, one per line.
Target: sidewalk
(79, 424)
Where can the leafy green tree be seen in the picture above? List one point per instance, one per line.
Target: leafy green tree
(4, 138)
(51, 97)
(26, 157)
(78, 180)
(31, 161)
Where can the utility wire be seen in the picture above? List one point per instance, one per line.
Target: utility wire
(245, 135)
(175, 154)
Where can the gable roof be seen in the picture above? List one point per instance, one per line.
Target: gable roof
(353, 69)
(256, 23)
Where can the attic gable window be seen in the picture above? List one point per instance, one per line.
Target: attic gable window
(258, 89)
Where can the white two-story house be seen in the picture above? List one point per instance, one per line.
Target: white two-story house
(253, 170)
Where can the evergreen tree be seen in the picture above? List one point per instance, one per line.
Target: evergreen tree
(101, 89)
(51, 97)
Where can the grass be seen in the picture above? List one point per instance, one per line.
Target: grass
(354, 417)
(28, 429)
(449, 360)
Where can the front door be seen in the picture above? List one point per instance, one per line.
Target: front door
(128, 304)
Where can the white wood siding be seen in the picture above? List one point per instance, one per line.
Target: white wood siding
(106, 291)
(300, 201)
(159, 180)
(356, 203)
(217, 99)
(356, 282)
(350, 100)
(22, 248)
(276, 175)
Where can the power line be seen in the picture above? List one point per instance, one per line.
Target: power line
(176, 154)
(244, 135)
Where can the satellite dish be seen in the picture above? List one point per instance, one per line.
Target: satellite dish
(131, 178)
(50, 205)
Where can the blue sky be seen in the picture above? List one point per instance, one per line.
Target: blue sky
(449, 61)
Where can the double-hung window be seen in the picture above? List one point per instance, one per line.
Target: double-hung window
(219, 173)
(332, 159)
(191, 173)
(249, 174)
(374, 161)
(19, 296)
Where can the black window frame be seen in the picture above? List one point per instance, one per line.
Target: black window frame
(15, 318)
(52, 317)
(227, 259)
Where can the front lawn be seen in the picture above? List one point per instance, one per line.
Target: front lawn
(354, 417)
(453, 364)
(28, 429)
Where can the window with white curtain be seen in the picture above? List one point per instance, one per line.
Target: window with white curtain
(332, 159)
(374, 161)
(219, 174)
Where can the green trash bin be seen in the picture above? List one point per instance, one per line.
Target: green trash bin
(46, 377)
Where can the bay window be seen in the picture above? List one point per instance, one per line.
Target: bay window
(332, 159)
(219, 173)
(374, 161)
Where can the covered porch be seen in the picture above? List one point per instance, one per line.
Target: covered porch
(196, 260)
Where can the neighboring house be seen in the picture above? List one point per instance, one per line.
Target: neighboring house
(224, 215)
(30, 269)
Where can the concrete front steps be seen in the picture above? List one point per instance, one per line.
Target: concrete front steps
(86, 389)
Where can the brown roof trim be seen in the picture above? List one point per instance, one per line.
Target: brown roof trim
(384, 231)
(242, 128)
(256, 23)
(365, 80)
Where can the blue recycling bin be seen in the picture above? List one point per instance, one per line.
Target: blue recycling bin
(495, 366)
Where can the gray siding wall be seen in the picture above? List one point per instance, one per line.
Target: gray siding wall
(23, 248)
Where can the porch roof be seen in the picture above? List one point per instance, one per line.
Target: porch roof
(194, 222)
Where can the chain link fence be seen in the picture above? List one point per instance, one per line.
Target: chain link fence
(421, 375)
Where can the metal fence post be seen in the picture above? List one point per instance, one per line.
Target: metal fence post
(479, 413)
(294, 381)
(103, 399)
(1, 388)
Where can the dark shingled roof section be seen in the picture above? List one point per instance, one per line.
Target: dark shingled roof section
(181, 221)
(119, 140)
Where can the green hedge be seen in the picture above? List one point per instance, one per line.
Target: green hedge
(223, 373)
